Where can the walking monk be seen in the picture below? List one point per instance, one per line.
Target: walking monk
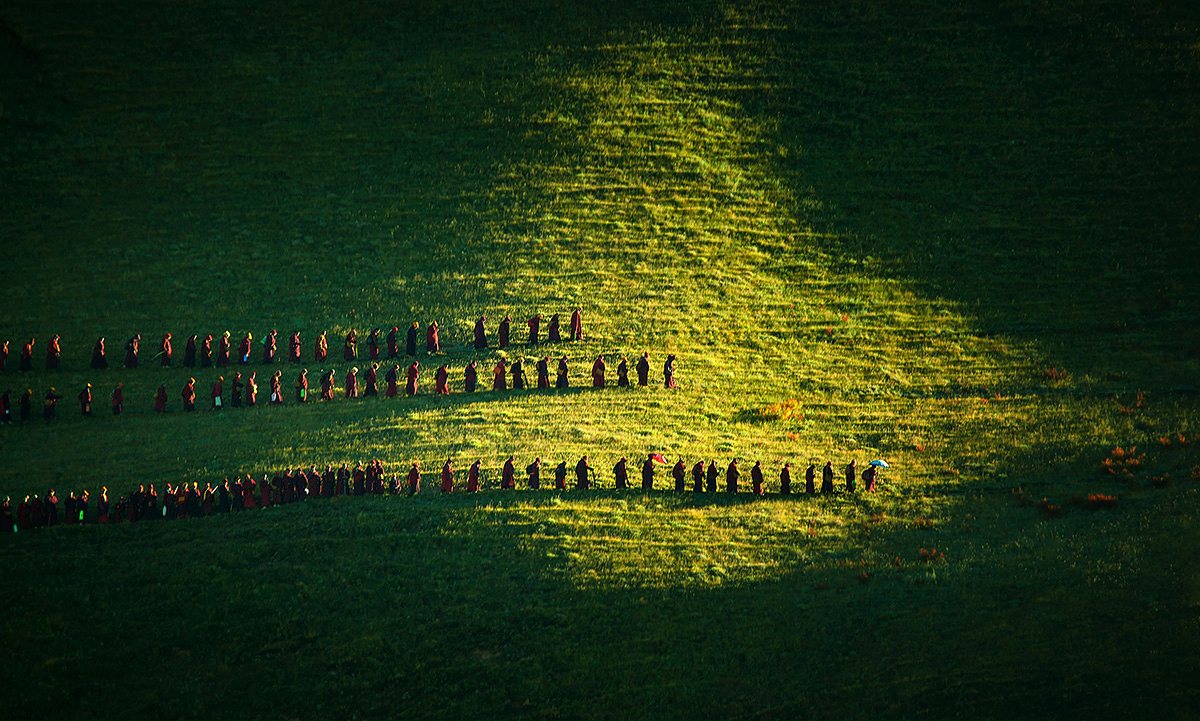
(473, 477)
(160, 399)
(598, 372)
(131, 350)
(470, 377)
(218, 390)
(370, 381)
(295, 348)
(53, 352)
(560, 378)
(26, 362)
(732, 474)
(518, 375)
(99, 361)
(648, 473)
(534, 471)
(223, 350)
(393, 381)
(245, 347)
(270, 346)
(679, 473)
(582, 469)
(410, 345)
(623, 373)
(350, 346)
(481, 341)
(85, 400)
(321, 351)
(118, 399)
(410, 387)
(352, 383)
(756, 478)
(669, 372)
(447, 477)
(235, 390)
(393, 343)
(189, 395)
(621, 474)
(577, 323)
(534, 324)
(166, 351)
(543, 372)
(508, 476)
(414, 479)
(302, 386)
(252, 389)
(499, 379)
(441, 381)
(505, 327)
(433, 341)
(189, 352)
(552, 332)
(643, 369)
(785, 479)
(206, 359)
(373, 344)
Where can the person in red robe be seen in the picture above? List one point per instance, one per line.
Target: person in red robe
(352, 383)
(206, 358)
(218, 393)
(785, 479)
(598, 372)
(621, 474)
(264, 492)
(270, 346)
(534, 471)
(189, 352)
(518, 375)
(118, 399)
(53, 352)
(442, 381)
(160, 399)
(393, 380)
(393, 342)
(679, 473)
(358, 480)
(370, 380)
(560, 476)
(189, 395)
(245, 347)
(577, 323)
(26, 362)
(295, 348)
(827, 478)
(711, 476)
(131, 350)
(553, 334)
(756, 478)
(85, 400)
(99, 357)
(473, 477)
(327, 385)
(410, 386)
(583, 472)
(698, 477)
(302, 386)
(499, 376)
(470, 377)
(165, 351)
(868, 478)
(810, 479)
(669, 372)
(560, 379)
(731, 477)
(535, 324)
(481, 340)
(223, 346)
(505, 328)
(643, 369)
(322, 348)
(276, 396)
(252, 389)
(350, 346)
(248, 486)
(4, 356)
(623, 373)
(373, 344)
(508, 476)
(414, 479)
(543, 373)
(648, 473)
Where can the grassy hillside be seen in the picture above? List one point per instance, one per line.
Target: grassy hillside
(866, 232)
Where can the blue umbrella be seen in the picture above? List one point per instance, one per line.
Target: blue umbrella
(879, 462)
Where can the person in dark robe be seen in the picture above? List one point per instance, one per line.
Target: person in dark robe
(534, 324)
(447, 477)
(473, 477)
(868, 478)
(481, 340)
(189, 395)
(327, 385)
(785, 480)
(249, 486)
(252, 389)
(50, 404)
(69, 502)
(518, 375)
(392, 378)
(81, 507)
(505, 328)
(414, 479)
(208, 499)
(470, 377)
(358, 480)
(810, 479)
(276, 396)
(302, 386)
(6, 515)
(223, 350)
(53, 352)
(552, 333)
(534, 472)
(560, 476)
(25, 404)
(732, 474)
(623, 373)
(99, 359)
(4, 356)
(643, 369)
(560, 378)
(51, 508)
(577, 324)
(264, 492)
(598, 367)
(373, 344)
(217, 394)
(189, 352)
(270, 346)
(679, 473)
(850, 473)
(648, 473)
(321, 348)
(237, 495)
(102, 506)
(24, 515)
(26, 362)
(433, 339)
(827, 478)
(669, 372)
(410, 344)
(165, 351)
(543, 373)
(131, 350)
(235, 388)
(508, 476)
(352, 383)
(350, 346)
(160, 399)
(756, 478)
(582, 471)
(711, 476)
(393, 342)
(411, 378)
(245, 347)
(85, 401)
(6, 407)
(295, 348)
(224, 504)
(370, 381)
(499, 376)
(441, 381)
(206, 359)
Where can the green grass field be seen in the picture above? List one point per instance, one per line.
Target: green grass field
(867, 231)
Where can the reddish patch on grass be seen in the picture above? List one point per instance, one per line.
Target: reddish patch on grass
(930, 555)
(1100, 500)
(1054, 373)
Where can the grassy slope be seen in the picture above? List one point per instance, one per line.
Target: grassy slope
(897, 218)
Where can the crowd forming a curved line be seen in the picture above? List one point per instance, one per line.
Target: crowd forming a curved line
(183, 500)
(244, 389)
